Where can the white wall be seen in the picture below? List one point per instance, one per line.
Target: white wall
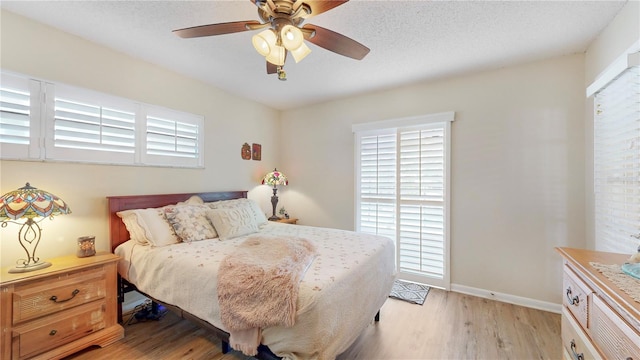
(41, 51)
(618, 37)
(517, 168)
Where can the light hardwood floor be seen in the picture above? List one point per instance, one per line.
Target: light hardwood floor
(448, 326)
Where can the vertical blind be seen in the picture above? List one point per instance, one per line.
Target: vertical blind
(402, 194)
(617, 163)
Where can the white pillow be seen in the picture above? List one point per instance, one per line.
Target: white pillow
(190, 222)
(193, 200)
(233, 222)
(250, 205)
(148, 226)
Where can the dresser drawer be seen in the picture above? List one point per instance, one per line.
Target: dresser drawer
(611, 334)
(576, 297)
(576, 344)
(50, 332)
(34, 299)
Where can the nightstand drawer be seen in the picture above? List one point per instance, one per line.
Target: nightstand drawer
(576, 297)
(34, 299)
(615, 338)
(41, 335)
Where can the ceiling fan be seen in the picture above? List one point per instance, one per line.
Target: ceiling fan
(284, 34)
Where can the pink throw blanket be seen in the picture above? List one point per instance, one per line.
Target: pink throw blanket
(258, 286)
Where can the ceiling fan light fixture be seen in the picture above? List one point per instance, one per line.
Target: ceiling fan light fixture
(264, 42)
(301, 52)
(277, 55)
(291, 37)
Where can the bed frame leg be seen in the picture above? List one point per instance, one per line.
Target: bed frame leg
(225, 347)
(377, 317)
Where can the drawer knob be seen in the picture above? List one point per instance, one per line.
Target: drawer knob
(53, 332)
(572, 301)
(73, 294)
(574, 352)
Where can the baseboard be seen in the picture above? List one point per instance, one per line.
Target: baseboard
(508, 298)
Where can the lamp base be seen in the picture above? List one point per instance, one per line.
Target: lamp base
(27, 268)
(274, 218)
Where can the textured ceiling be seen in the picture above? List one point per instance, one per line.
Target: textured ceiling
(410, 41)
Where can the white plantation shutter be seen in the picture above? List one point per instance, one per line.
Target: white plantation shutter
(46, 121)
(19, 106)
(421, 222)
(89, 126)
(378, 184)
(173, 138)
(617, 163)
(402, 191)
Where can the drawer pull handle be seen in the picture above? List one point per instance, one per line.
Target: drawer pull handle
(73, 294)
(575, 354)
(572, 301)
(53, 332)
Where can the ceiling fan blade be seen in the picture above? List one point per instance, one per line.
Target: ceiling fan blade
(318, 6)
(215, 29)
(336, 42)
(271, 68)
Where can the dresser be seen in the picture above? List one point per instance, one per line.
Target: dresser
(54, 312)
(599, 320)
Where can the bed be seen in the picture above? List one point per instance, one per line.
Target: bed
(339, 295)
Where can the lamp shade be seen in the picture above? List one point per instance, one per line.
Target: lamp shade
(277, 55)
(301, 52)
(30, 202)
(264, 42)
(291, 37)
(275, 178)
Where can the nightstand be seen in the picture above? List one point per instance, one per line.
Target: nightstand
(287, 221)
(54, 312)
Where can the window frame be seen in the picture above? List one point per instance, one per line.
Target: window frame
(397, 126)
(42, 129)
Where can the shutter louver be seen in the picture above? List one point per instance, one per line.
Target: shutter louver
(617, 163)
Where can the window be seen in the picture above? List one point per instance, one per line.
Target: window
(19, 117)
(617, 163)
(44, 121)
(402, 191)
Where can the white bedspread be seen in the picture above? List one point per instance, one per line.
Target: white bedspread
(341, 292)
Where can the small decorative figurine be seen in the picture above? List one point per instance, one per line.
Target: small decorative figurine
(86, 246)
(635, 258)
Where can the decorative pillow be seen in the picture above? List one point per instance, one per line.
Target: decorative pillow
(252, 206)
(190, 222)
(233, 222)
(148, 226)
(194, 200)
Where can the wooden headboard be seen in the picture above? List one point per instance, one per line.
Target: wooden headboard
(118, 232)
